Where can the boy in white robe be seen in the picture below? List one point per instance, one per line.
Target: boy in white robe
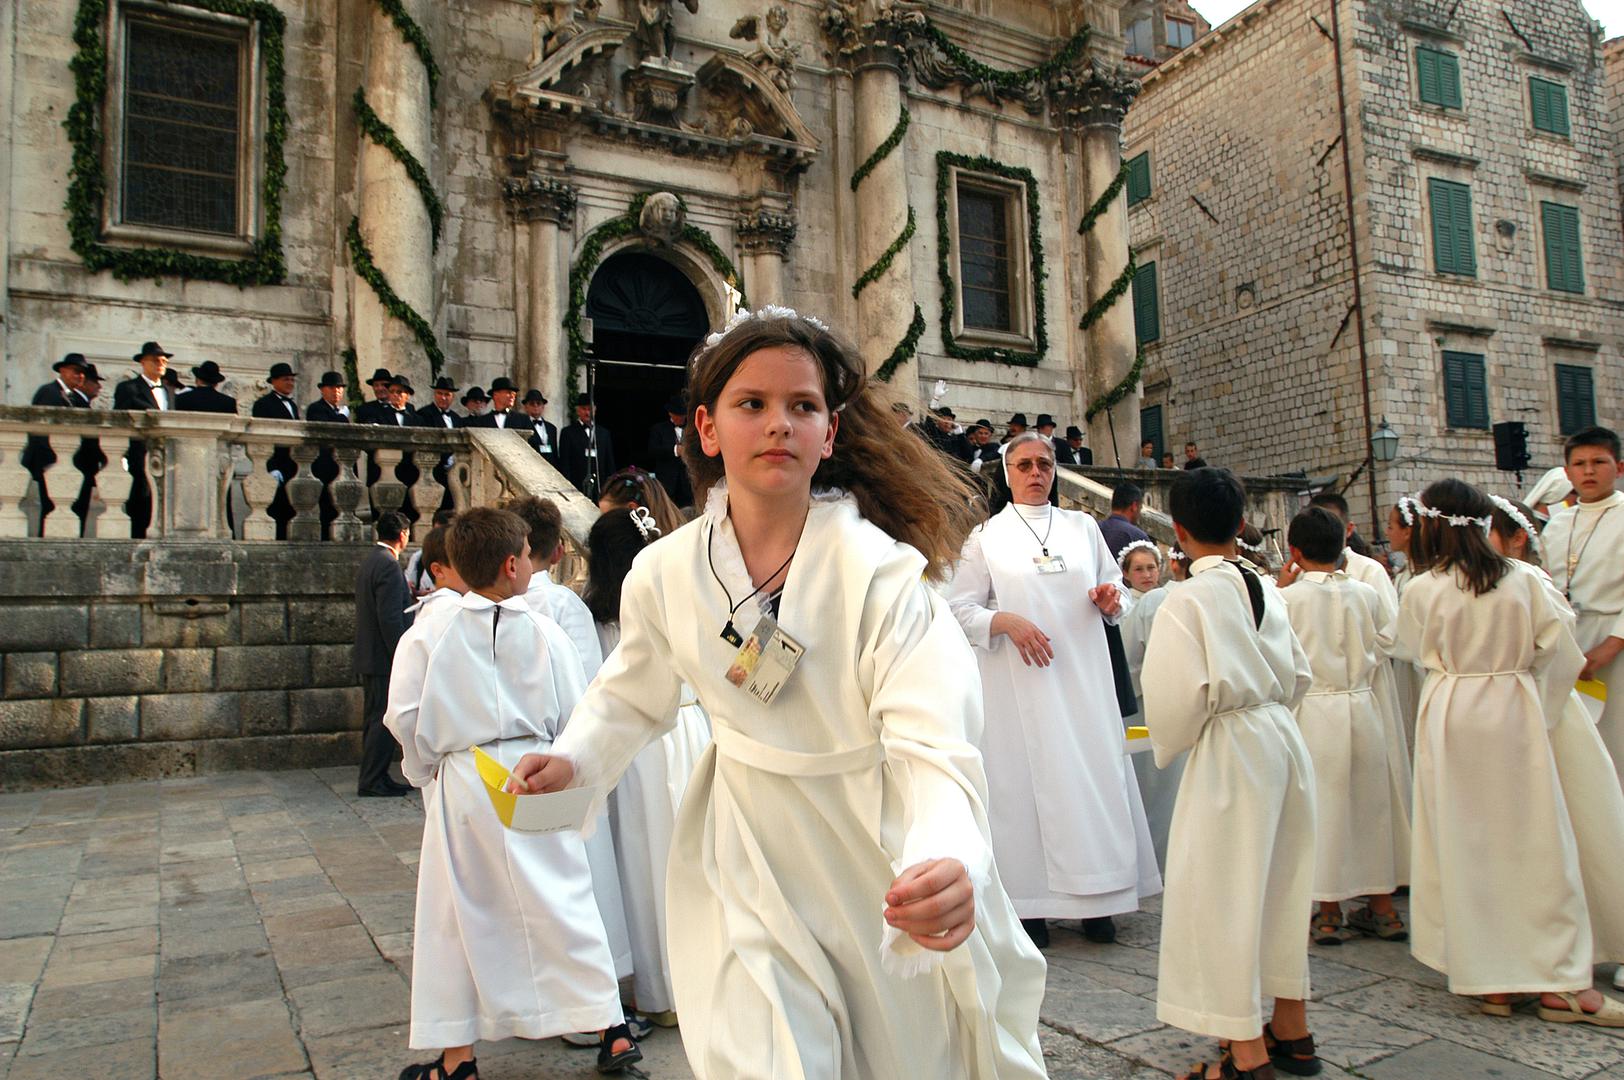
(1240, 864)
(448, 585)
(508, 942)
(1363, 830)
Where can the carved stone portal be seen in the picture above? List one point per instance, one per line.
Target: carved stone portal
(658, 89)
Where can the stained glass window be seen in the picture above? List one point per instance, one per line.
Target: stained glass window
(984, 258)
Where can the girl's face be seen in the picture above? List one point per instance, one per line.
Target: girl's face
(1398, 533)
(1031, 473)
(1142, 572)
(770, 424)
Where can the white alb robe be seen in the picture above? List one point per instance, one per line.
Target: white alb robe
(1407, 677)
(508, 941)
(643, 816)
(1591, 537)
(560, 604)
(1068, 824)
(1158, 785)
(1385, 684)
(1496, 897)
(1362, 834)
(803, 811)
(1240, 861)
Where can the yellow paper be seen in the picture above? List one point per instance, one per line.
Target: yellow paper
(1138, 731)
(557, 811)
(1138, 739)
(1592, 688)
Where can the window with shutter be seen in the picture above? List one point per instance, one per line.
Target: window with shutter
(1453, 246)
(1575, 398)
(1466, 391)
(1139, 178)
(1548, 104)
(1564, 265)
(1150, 427)
(1437, 76)
(1147, 314)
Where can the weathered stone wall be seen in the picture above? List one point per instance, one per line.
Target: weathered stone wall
(125, 659)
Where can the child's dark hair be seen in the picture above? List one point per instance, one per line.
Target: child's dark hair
(1592, 436)
(543, 519)
(1210, 504)
(390, 525)
(1318, 534)
(1438, 545)
(481, 540)
(1332, 502)
(1507, 527)
(434, 550)
(635, 487)
(901, 483)
(612, 544)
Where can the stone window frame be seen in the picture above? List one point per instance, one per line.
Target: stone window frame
(1018, 188)
(1438, 41)
(251, 135)
(1473, 350)
(1147, 257)
(1558, 367)
(1562, 136)
(1149, 195)
(1433, 165)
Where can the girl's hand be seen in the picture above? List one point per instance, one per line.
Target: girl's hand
(933, 903)
(1032, 642)
(540, 773)
(1107, 599)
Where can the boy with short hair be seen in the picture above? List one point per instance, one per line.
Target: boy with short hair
(1240, 863)
(448, 584)
(1362, 820)
(508, 940)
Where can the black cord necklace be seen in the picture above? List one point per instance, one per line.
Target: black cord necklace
(730, 633)
(1043, 541)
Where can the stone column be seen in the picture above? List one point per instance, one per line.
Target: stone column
(1092, 102)
(394, 221)
(547, 205)
(765, 233)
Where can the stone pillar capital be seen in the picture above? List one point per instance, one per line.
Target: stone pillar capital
(766, 230)
(1093, 95)
(539, 197)
(859, 41)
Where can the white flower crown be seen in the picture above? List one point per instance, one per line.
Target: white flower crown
(1244, 546)
(768, 311)
(647, 527)
(1506, 507)
(1139, 545)
(1454, 519)
(1179, 555)
(1406, 510)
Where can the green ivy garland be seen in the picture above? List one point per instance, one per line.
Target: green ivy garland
(946, 161)
(591, 252)
(1096, 311)
(352, 377)
(882, 151)
(883, 263)
(374, 128)
(87, 186)
(1103, 203)
(1009, 80)
(418, 40)
(1098, 308)
(361, 260)
(1118, 393)
(905, 348)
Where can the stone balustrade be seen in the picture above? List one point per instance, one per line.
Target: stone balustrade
(1270, 500)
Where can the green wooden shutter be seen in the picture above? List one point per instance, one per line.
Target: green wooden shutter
(1453, 245)
(1139, 178)
(1575, 398)
(1438, 77)
(1150, 428)
(1466, 390)
(1548, 104)
(1147, 314)
(1564, 263)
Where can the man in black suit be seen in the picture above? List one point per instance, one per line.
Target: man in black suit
(140, 393)
(381, 600)
(401, 413)
(204, 397)
(543, 432)
(586, 450)
(1070, 450)
(937, 429)
(375, 411)
(88, 459)
(476, 402)
(330, 407)
(61, 392)
(279, 405)
(439, 413)
(502, 415)
(665, 451)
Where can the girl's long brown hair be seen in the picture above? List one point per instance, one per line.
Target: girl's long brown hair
(634, 485)
(1503, 524)
(901, 483)
(1435, 544)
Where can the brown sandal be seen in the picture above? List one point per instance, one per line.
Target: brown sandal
(1228, 1071)
(1328, 931)
(1387, 927)
(1295, 1056)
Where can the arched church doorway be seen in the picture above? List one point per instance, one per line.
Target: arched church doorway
(646, 319)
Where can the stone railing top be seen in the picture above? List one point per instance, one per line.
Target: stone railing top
(47, 420)
(1094, 496)
(523, 471)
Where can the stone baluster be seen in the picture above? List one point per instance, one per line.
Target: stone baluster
(346, 492)
(258, 489)
(765, 231)
(387, 493)
(304, 492)
(62, 522)
(107, 518)
(546, 205)
(459, 478)
(14, 481)
(157, 454)
(427, 493)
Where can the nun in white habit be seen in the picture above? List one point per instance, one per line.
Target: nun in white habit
(1033, 591)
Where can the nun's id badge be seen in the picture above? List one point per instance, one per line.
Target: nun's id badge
(1049, 564)
(765, 661)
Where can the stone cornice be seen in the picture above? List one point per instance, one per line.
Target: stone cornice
(1552, 180)
(1443, 157)
(1575, 344)
(1445, 326)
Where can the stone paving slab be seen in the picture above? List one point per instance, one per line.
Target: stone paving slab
(259, 925)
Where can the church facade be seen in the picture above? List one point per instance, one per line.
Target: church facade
(572, 194)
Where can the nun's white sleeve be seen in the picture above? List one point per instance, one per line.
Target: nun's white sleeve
(970, 596)
(1107, 571)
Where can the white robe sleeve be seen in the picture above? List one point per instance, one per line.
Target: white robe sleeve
(1557, 657)
(970, 595)
(1385, 614)
(406, 677)
(1175, 708)
(1106, 570)
(1411, 626)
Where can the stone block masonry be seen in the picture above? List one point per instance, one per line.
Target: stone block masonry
(129, 660)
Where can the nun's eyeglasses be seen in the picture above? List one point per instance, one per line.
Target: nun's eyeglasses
(1042, 465)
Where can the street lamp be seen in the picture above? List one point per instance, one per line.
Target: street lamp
(1384, 442)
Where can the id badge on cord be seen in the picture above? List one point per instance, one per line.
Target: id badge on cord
(765, 661)
(1049, 564)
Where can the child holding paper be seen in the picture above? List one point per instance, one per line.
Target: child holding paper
(509, 942)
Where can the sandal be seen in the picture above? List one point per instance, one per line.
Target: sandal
(1328, 931)
(1295, 1056)
(435, 1070)
(612, 1061)
(1387, 927)
(1227, 1071)
(1504, 1009)
(1611, 1013)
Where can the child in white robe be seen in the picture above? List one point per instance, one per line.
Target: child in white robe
(1158, 787)
(1497, 899)
(437, 603)
(1240, 863)
(839, 912)
(1362, 830)
(508, 941)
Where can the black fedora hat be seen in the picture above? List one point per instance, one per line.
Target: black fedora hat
(331, 378)
(502, 382)
(533, 397)
(91, 374)
(1073, 431)
(73, 359)
(209, 372)
(1044, 420)
(444, 383)
(381, 375)
(675, 406)
(983, 423)
(582, 399)
(946, 413)
(404, 383)
(280, 371)
(171, 377)
(474, 394)
(1018, 418)
(152, 348)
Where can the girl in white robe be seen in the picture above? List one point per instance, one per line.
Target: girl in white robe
(1033, 591)
(1158, 787)
(844, 791)
(1497, 899)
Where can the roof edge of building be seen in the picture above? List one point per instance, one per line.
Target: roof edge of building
(1237, 24)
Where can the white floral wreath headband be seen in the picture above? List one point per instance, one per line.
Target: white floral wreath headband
(1138, 545)
(1255, 548)
(1179, 555)
(1454, 519)
(1506, 507)
(768, 311)
(1406, 510)
(647, 527)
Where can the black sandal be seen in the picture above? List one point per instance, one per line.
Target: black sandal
(608, 1060)
(1227, 1071)
(435, 1070)
(1295, 1056)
